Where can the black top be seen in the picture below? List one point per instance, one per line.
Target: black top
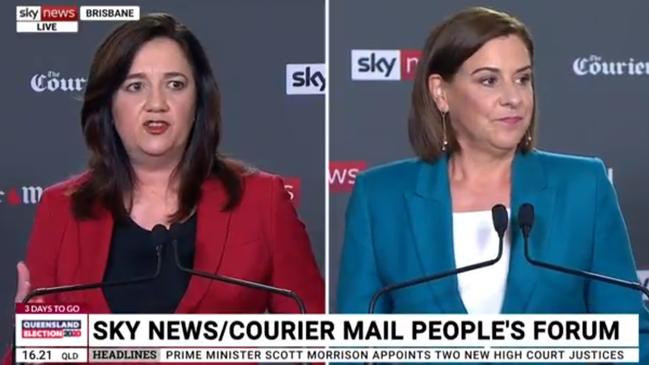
(133, 255)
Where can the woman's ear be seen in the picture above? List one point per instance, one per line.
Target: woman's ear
(437, 91)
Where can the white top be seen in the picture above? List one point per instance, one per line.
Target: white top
(475, 240)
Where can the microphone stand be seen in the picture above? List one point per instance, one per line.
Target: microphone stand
(499, 214)
(240, 282)
(526, 212)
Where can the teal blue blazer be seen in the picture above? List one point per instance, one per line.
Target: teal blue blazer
(399, 227)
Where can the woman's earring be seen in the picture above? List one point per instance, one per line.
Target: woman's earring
(528, 138)
(445, 139)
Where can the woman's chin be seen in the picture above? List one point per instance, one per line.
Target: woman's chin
(509, 142)
(153, 153)
(504, 147)
(156, 149)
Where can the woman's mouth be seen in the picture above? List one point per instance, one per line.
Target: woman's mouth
(510, 120)
(156, 127)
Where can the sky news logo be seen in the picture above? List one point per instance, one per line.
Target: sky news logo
(306, 79)
(25, 195)
(342, 175)
(384, 65)
(44, 329)
(65, 18)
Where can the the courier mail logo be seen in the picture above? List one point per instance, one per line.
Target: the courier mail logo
(305, 79)
(384, 65)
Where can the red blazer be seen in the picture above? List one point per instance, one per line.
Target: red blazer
(261, 240)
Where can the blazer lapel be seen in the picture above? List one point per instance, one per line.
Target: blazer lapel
(94, 245)
(529, 185)
(211, 236)
(430, 214)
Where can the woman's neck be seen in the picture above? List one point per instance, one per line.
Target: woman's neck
(155, 184)
(480, 168)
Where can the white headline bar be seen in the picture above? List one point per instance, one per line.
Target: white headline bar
(440, 355)
(362, 330)
(205, 330)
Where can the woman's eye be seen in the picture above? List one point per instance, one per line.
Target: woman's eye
(176, 85)
(488, 81)
(524, 80)
(134, 86)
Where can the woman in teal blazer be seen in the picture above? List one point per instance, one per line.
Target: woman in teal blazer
(472, 126)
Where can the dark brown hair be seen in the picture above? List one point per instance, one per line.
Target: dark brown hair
(447, 47)
(111, 178)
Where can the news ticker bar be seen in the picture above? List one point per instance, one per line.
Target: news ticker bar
(65, 18)
(334, 330)
(293, 355)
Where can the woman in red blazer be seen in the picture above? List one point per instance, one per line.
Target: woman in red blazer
(261, 240)
(151, 120)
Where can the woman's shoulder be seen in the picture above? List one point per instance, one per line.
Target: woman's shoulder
(389, 172)
(569, 164)
(390, 180)
(571, 160)
(255, 179)
(254, 182)
(61, 191)
(247, 175)
(261, 188)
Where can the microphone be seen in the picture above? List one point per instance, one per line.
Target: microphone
(500, 221)
(526, 221)
(159, 236)
(230, 280)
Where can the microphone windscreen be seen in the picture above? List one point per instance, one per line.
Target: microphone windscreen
(526, 215)
(159, 235)
(500, 219)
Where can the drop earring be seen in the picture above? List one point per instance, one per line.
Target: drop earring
(444, 138)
